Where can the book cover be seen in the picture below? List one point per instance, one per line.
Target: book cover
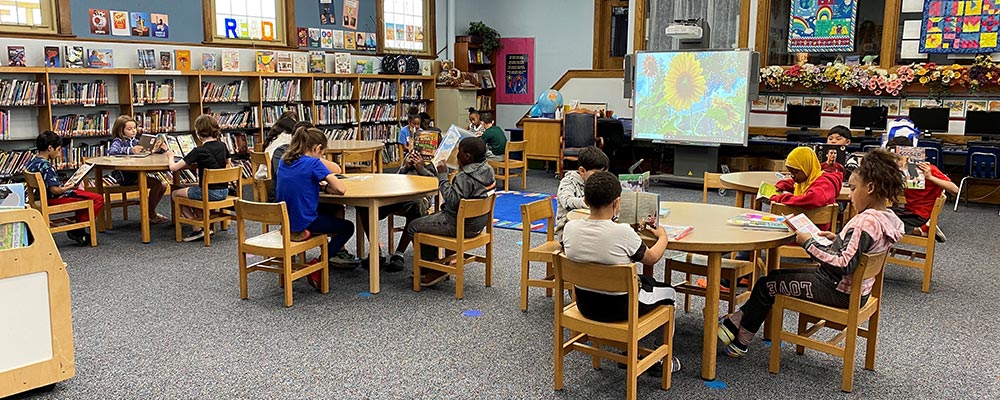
(302, 36)
(326, 38)
(185, 143)
(52, 57)
(641, 209)
(74, 56)
(829, 154)
(100, 23)
(349, 41)
(230, 60)
(314, 37)
(317, 61)
(801, 223)
(101, 58)
(360, 65)
(16, 56)
(119, 23)
(166, 60)
(174, 146)
(300, 63)
(338, 39)
(486, 79)
(284, 62)
(147, 58)
(12, 195)
(265, 61)
(635, 182)
(425, 143)
(359, 41)
(341, 63)
(79, 174)
(140, 23)
(766, 190)
(371, 41)
(209, 62)
(326, 14)
(448, 145)
(910, 157)
(160, 23)
(182, 59)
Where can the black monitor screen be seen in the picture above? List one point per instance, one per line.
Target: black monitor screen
(802, 116)
(934, 119)
(868, 117)
(983, 123)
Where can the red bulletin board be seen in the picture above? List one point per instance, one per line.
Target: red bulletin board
(516, 71)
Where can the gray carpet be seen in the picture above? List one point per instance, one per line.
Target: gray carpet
(165, 320)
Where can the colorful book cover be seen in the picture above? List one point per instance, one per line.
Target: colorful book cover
(326, 38)
(351, 14)
(349, 41)
(161, 28)
(326, 13)
(314, 37)
(409, 33)
(338, 39)
(140, 24)
(426, 144)
(390, 31)
(371, 41)
(12, 195)
(101, 58)
(146, 58)
(635, 182)
(15, 56)
(360, 65)
(119, 23)
(342, 63)
(911, 157)
(317, 61)
(230, 60)
(183, 59)
(74, 56)
(265, 61)
(359, 41)
(100, 23)
(300, 63)
(166, 60)
(302, 35)
(284, 63)
(209, 62)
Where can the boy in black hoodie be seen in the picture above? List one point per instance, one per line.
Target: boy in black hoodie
(474, 180)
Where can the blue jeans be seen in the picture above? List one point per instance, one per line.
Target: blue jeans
(340, 228)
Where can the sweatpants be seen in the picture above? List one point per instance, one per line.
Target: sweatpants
(80, 195)
(802, 283)
(443, 224)
(341, 230)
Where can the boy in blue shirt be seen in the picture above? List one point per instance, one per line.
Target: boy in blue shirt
(49, 148)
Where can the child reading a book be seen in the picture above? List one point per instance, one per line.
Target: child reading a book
(841, 136)
(599, 239)
(475, 125)
(495, 140)
(571, 187)
(810, 187)
(474, 180)
(49, 147)
(409, 131)
(211, 154)
(125, 142)
(875, 229)
(281, 133)
(920, 202)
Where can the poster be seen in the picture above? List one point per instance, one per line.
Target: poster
(326, 14)
(951, 26)
(119, 23)
(161, 24)
(351, 14)
(140, 24)
(515, 71)
(822, 26)
(99, 24)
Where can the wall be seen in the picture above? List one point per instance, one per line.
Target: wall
(604, 90)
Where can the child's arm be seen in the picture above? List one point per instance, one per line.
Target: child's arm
(175, 166)
(449, 192)
(936, 177)
(120, 147)
(817, 195)
(58, 190)
(332, 166)
(655, 253)
(566, 196)
(334, 185)
(843, 252)
(785, 185)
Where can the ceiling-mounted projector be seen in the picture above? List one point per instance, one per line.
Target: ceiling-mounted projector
(683, 31)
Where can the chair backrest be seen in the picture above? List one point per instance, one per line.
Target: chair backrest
(534, 211)
(982, 162)
(712, 181)
(819, 216)
(471, 208)
(932, 155)
(514, 147)
(265, 213)
(608, 278)
(258, 158)
(579, 128)
(359, 156)
(935, 213)
(871, 265)
(222, 175)
(37, 192)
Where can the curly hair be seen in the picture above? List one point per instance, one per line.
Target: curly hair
(880, 168)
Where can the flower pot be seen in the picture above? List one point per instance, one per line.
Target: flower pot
(474, 39)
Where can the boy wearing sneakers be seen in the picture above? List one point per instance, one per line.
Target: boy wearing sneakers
(920, 202)
(571, 187)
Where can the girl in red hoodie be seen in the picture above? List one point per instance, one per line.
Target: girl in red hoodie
(809, 185)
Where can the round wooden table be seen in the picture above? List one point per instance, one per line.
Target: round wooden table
(139, 165)
(713, 237)
(374, 191)
(745, 183)
(335, 148)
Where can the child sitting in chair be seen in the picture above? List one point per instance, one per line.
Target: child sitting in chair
(570, 193)
(920, 202)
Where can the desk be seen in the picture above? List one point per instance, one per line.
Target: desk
(337, 147)
(544, 140)
(373, 191)
(748, 182)
(713, 237)
(139, 165)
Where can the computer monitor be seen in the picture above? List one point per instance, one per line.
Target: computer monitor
(798, 116)
(868, 117)
(930, 119)
(983, 123)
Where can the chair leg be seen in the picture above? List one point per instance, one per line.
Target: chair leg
(524, 178)
(287, 267)
(206, 228)
(489, 264)
(632, 368)
(803, 324)
(93, 225)
(687, 297)
(106, 215)
(524, 282)
(459, 274)
(390, 224)
(777, 314)
(177, 221)
(928, 263)
(850, 344)
(548, 272)
(668, 340)
(243, 275)
(416, 263)
(872, 340)
(557, 358)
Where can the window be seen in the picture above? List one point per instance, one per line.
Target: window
(246, 21)
(35, 16)
(407, 26)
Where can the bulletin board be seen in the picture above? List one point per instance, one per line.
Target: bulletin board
(308, 15)
(188, 11)
(515, 62)
(954, 26)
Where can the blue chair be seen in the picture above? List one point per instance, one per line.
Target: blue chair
(980, 164)
(932, 151)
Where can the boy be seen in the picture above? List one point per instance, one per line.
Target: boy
(494, 137)
(920, 202)
(841, 136)
(474, 180)
(49, 148)
(599, 239)
(571, 187)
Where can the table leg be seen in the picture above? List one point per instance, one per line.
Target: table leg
(773, 263)
(105, 216)
(739, 198)
(711, 316)
(378, 162)
(144, 207)
(373, 262)
(359, 234)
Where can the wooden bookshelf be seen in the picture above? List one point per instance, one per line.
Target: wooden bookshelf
(465, 60)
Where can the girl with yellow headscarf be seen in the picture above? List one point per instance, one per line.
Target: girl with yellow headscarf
(809, 187)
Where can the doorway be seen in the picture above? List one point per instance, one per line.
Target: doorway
(610, 33)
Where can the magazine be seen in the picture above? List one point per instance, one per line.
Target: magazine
(77, 176)
(801, 223)
(641, 209)
(911, 156)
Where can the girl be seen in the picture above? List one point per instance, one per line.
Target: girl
(211, 154)
(475, 124)
(409, 131)
(125, 142)
(281, 133)
(875, 229)
(299, 173)
(809, 185)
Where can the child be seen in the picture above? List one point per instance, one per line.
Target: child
(125, 142)
(409, 131)
(49, 148)
(474, 180)
(841, 136)
(875, 229)
(475, 125)
(810, 186)
(599, 239)
(494, 138)
(571, 187)
(299, 174)
(212, 154)
(920, 202)
(427, 123)
(281, 133)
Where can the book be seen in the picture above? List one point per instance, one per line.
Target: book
(185, 143)
(74, 56)
(363, 67)
(766, 190)
(371, 41)
(758, 222)
(317, 61)
(160, 24)
(359, 41)
(829, 154)
(635, 182)
(349, 41)
(910, 157)
(338, 39)
(99, 22)
(265, 61)
(326, 38)
(302, 37)
(641, 209)
(209, 62)
(182, 59)
(486, 79)
(677, 232)
(314, 37)
(150, 141)
(300, 63)
(140, 23)
(283, 63)
(101, 58)
(12, 195)
(230, 60)
(79, 174)
(425, 143)
(119, 23)
(147, 58)
(341, 63)
(448, 146)
(801, 223)
(166, 60)
(15, 56)
(52, 57)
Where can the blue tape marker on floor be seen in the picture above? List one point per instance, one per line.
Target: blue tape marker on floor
(767, 343)
(518, 242)
(472, 313)
(716, 384)
(365, 295)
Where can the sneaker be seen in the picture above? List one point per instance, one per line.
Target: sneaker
(315, 277)
(80, 236)
(344, 260)
(938, 235)
(728, 333)
(381, 259)
(195, 235)
(158, 219)
(702, 283)
(433, 277)
(395, 264)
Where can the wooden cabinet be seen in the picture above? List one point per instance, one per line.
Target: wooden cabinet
(544, 140)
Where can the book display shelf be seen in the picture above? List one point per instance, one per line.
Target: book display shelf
(469, 58)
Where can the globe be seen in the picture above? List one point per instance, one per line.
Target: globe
(549, 101)
(535, 113)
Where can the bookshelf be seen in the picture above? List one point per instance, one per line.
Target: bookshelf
(469, 58)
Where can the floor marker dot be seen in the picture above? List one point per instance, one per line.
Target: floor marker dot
(472, 313)
(365, 295)
(716, 384)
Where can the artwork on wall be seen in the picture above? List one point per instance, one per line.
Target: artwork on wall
(326, 13)
(960, 26)
(822, 26)
(515, 71)
(351, 14)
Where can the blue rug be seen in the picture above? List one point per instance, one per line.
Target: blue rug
(507, 209)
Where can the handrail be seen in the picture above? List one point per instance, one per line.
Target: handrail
(579, 74)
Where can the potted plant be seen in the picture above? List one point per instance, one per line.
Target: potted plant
(490, 37)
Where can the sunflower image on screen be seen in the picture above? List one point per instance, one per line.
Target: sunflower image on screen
(692, 96)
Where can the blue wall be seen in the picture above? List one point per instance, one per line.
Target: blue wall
(188, 11)
(307, 16)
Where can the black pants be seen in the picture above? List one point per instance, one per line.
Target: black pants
(910, 220)
(802, 283)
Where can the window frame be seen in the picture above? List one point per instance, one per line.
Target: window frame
(51, 17)
(430, 31)
(284, 12)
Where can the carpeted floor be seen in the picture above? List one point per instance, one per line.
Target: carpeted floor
(165, 320)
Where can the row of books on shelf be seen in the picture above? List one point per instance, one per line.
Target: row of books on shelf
(13, 162)
(186, 177)
(332, 89)
(378, 90)
(478, 57)
(73, 155)
(153, 92)
(411, 90)
(156, 121)
(236, 120)
(217, 93)
(272, 113)
(19, 92)
(239, 143)
(418, 106)
(484, 102)
(380, 112)
(381, 133)
(74, 125)
(336, 114)
(14, 235)
(65, 92)
(281, 90)
(341, 134)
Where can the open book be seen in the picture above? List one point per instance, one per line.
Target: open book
(181, 144)
(634, 182)
(766, 190)
(447, 150)
(640, 208)
(915, 178)
(77, 176)
(152, 142)
(801, 223)
(426, 144)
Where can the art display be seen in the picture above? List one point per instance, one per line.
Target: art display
(515, 71)
(822, 26)
(954, 26)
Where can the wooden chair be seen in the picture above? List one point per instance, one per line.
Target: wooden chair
(459, 244)
(545, 252)
(847, 321)
(509, 163)
(360, 160)
(261, 186)
(115, 196)
(579, 131)
(277, 248)
(819, 216)
(38, 199)
(922, 260)
(711, 181)
(212, 211)
(624, 335)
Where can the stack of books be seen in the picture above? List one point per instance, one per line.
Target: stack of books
(78, 93)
